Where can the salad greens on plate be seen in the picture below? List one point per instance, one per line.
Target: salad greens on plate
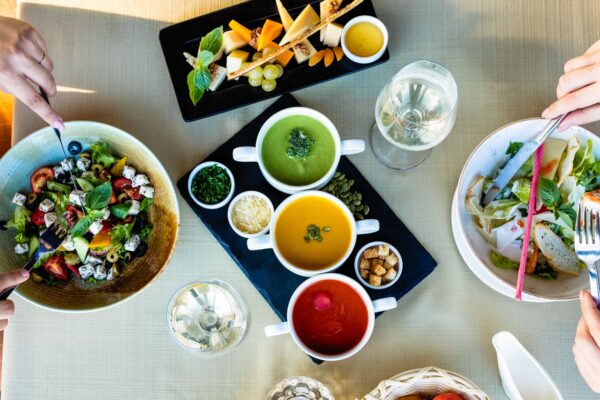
(568, 170)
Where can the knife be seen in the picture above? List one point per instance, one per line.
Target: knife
(515, 163)
(62, 147)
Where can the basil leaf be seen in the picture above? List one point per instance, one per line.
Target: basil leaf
(203, 77)
(549, 193)
(58, 187)
(196, 93)
(205, 58)
(514, 148)
(82, 226)
(95, 214)
(99, 197)
(145, 204)
(567, 214)
(213, 41)
(120, 210)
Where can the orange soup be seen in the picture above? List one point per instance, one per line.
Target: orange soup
(313, 233)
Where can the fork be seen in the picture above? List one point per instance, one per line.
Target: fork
(50, 239)
(587, 245)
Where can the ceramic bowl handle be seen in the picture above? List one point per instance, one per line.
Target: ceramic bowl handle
(385, 304)
(367, 226)
(245, 154)
(353, 146)
(277, 329)
(260, 242)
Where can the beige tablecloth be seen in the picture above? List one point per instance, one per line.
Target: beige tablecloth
(506, 57)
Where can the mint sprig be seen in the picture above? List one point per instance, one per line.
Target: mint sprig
(199, 78)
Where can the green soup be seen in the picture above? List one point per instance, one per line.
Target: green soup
(294, 170)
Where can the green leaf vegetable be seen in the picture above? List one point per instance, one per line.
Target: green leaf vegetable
(549, 193)
(19, 220)
(299, 144)
(102, 154)
(514, 148)
(145, 204)
(58, 187)
(502, 262)
(211, 185)
(82, 226)
(199, 78)
(99, 197)
(121, 210)
(120, 233)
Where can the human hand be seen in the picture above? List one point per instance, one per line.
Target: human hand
(24, 60)
(8, 280)
(587, 342)
(578, 90)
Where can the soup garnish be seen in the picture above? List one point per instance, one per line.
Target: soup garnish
(299, 144)
(313, 232)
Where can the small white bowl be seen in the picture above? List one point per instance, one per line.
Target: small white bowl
(379, 25)
(201, 167)
(236, 199)
(357, 262)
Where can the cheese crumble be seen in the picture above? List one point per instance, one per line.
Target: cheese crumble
(251, 214)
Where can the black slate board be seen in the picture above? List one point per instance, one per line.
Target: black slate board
(274, 282)
(185, 36)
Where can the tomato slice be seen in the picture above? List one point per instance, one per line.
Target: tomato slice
(106, 226)
(72, 215)
(134, 193)
(39, 178)
(55, 266)
(73, 269)
(120, 184)
(113, 198)
(38, 217)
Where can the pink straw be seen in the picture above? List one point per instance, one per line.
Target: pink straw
(530, 212)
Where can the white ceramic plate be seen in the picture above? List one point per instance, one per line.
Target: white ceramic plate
(484, 160)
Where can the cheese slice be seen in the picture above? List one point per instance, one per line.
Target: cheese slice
(286, 18)
(307, 18)
(303, 51)
(232, 41)
(333, 34)
(328, 7)
(236, 59)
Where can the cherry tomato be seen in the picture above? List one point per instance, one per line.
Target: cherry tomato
(55, 266)
(106, 226)
(134, 193)
(113, 198)
(72, 214)
(39, 178)
(448, 396)
(120, 184)
(38, 217)
(73, 269)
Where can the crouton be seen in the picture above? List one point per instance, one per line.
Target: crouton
(371, 252)
(383, 250)
(364, 264)
(390, 275)
(378, 270)
(375, 280)
(392, 259)
(364, 273)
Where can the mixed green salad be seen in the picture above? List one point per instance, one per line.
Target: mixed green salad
(568, 170)
(107, 215)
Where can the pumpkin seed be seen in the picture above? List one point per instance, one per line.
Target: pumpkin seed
(326, 229)
(359, 216)
(366, 210)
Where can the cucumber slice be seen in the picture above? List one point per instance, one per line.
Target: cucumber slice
(85, 185)
(34, 243)
(81, 247)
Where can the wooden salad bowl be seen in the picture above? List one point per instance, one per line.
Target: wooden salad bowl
(42, 148)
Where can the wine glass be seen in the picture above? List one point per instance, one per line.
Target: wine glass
(207, 318)
(414, 112)
(299, 388)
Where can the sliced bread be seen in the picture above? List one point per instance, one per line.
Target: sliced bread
(560, 256)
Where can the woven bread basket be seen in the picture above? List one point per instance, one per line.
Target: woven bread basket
(428, 381)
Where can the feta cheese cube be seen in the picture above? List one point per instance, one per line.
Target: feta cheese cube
(133, 243)
(86, 271)
(106, 212)
(67, 164)
(46, 205)
(19, 199)
(128, 172)
(140, 180)
(49, 218)
(58, 172)
(83, 163)
(77, 197)
(100, 272)
(218, 75)
(110, 275)
(92, 260)
(147, 191)
(68, 243)
(135, 207)
(21, 248)
(96, 227)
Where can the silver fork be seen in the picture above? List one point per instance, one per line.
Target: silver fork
(50, 240)
(587, 245)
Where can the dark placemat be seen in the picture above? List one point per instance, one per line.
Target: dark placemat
(274, 282)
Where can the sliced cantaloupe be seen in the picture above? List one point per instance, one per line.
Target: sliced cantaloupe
(270, 31)
(339, 53)
(307, 18)
(329, 56)
(101, 240)
(241, 30)
(314, 60)
(286, 18)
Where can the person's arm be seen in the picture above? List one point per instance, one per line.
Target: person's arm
(578, 90)
(587, 342)
(25, 65)
(7, 280)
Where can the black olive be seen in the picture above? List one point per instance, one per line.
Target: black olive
(139, 224)
(63, 178)
(75, 147)
(141, 250)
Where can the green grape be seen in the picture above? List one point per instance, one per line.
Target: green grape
(244, 65)
(256, 56)
(255, 81)
(270, 71)
(267, 51)
(255, 73)
(268, 85)
(279, 71)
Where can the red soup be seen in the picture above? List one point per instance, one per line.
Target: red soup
(330, 317)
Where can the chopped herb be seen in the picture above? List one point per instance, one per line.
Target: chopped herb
(211, 185)
(514, 148)
(299, 144)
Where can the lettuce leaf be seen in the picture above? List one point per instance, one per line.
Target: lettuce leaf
(19, 220)
(502, 262)
(102, 154)
(521, 188)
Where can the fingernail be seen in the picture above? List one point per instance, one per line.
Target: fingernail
(564, 127)
(59, 124)
(25, 273)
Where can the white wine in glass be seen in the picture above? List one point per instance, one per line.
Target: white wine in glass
(414, 112)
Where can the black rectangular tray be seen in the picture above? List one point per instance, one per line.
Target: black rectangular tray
(185, 36)
(274, 282)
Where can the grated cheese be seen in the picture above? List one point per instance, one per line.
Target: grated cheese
(251, 214)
